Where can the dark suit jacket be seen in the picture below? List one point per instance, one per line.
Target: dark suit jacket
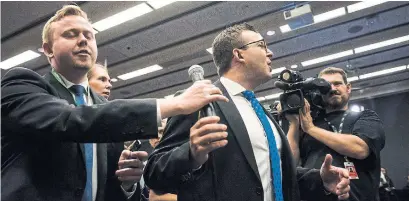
(42, 136)
(231, 172)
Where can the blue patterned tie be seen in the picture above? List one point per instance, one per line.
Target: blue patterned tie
(79, 91)
(274, 156)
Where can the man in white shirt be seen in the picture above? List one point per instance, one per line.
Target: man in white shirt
(242, 153)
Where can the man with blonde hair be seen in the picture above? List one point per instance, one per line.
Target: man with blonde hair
(57, 134)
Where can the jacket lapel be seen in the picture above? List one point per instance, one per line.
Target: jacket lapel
(238, 127)
(63, 92)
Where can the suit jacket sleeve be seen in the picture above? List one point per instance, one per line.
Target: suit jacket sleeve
(311, 186)
(31, 109)
(170, 164)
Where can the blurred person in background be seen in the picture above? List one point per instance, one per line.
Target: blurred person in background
(99, 80)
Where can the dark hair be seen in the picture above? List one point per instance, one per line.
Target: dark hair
(225, 42)
(334, 70)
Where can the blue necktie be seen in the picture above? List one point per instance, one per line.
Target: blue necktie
(79, 91)
(274, 156)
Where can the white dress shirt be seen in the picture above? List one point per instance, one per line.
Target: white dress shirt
(256, 133)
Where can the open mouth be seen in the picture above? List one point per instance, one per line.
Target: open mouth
(106, 93)
(82, 52)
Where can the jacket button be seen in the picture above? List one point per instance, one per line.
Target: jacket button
(259, 190)
(78, 192)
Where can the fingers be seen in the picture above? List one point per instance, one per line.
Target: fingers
(141, 155)
(125, 154)
(129, 174)
(206, 120)
(326, 165)
(210, 138)
(343, 196)
(133, 163)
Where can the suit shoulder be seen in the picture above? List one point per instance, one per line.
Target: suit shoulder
(21, 73)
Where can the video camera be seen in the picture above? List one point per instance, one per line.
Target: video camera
(296, 88)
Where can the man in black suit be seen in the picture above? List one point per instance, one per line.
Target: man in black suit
(54, 128)
(234, 162)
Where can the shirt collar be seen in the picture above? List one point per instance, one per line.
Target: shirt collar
(232, 87)
(66, 83)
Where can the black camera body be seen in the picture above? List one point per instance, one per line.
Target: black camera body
(296, 88)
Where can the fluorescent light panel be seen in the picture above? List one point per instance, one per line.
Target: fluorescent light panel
(140, 72)
(159, 3)
(381, 44)
(362, 5)
(261, 99)
(327, 58)
(122, 17)
(329, 15)
(285, 28)
(277, 70)
(210, 50)
(382, 72)
(114, 80)
(351, 79)
(19, 59)
(273, 96)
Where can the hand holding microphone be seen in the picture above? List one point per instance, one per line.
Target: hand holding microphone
(207, 134)
(201, 93)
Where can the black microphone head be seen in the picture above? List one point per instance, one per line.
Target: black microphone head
(196, 73)
(281, 85)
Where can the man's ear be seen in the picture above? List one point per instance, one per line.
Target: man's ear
(48, 51)
(349, 88)
(237, 55)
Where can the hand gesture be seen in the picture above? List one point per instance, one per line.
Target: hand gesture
(198, 95)
(130, 167)
(205, 136)
(292, 118)
(305, 117)
(335, 179)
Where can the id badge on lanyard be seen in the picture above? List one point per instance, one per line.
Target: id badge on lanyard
(349, 165)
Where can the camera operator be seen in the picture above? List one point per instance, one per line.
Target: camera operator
(355, 139)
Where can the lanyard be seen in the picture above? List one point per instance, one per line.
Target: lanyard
(340, 124)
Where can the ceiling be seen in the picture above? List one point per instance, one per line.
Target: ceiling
(176, 36)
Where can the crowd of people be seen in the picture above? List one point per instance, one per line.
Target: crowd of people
(63, 139)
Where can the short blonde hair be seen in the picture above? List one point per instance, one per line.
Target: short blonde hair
(91, 71)
(334, 70)
(67, 10)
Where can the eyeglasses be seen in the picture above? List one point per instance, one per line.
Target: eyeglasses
(261, 43)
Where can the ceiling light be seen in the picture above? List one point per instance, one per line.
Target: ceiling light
(294, 66)
(381, 44)
(122, 17)
(351, 79)
(357, 108)
(382, 72)
(329, 15)
(19, 59)
(159, 4)
(273, 96)
(114, 80)
(277, 70)
(270, 33)
(327, 58)
(362, 5)
(285, 28)
(140, 72)
(210, 50)
(260, 99)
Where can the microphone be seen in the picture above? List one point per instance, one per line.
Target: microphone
(196, 73)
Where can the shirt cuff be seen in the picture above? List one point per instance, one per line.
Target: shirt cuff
(159, 117)
(127, 194)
